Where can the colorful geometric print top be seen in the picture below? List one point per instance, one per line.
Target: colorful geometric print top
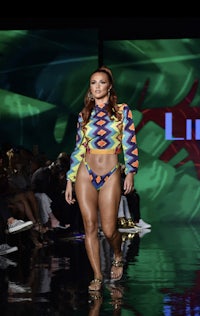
(105, 135)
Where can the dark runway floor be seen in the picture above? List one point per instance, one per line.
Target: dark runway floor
(161, 276)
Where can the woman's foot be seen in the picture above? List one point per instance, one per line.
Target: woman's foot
(56, 224)
(95, 285)
(40, 228)
(117, 269)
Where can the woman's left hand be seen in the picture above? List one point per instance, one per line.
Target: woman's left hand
(128, 183)
(68, 193)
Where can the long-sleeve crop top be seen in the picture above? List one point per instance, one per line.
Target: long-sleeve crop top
(105, 135)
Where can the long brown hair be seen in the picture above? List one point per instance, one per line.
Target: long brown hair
(89, 103)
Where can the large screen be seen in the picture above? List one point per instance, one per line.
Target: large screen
(159, 79)
(43, 79)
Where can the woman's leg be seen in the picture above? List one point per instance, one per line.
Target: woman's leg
(87, 197)
(109, 199)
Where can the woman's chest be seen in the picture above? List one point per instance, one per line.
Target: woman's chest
(102, 126)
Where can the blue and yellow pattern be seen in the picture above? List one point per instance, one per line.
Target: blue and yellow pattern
(105, 135)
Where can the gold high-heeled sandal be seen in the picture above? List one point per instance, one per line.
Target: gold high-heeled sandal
(95, 285)
(121, 222)
(117, 264)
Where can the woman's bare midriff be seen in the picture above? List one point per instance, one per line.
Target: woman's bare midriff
(101, 164)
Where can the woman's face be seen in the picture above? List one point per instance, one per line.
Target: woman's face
(99, 86)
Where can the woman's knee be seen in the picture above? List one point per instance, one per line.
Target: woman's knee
(111, 234)
(90, 226)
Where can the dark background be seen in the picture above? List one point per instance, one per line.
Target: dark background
(116, 26)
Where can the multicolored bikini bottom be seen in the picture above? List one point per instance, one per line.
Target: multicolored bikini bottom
(97, 180)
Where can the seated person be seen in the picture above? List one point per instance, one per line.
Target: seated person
(47, 184)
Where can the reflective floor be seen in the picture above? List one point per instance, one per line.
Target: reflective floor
(161, 275)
